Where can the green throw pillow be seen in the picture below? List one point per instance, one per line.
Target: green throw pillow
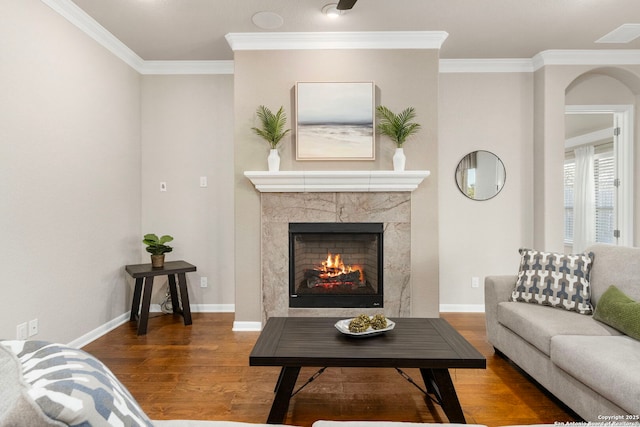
(619, 311)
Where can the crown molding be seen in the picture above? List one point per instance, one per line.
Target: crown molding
(72, 13)
(507, 65)
(186, 67)
(337, 40)
(542, 59)
(586, 57)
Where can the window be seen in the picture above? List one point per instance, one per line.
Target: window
(569, 176)
(592, 124)
(605, 197)
(604, 175)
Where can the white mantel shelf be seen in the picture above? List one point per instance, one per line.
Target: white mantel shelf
(335, 181)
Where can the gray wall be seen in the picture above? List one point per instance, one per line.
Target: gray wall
(69, 175)
(520, 117)
(403, 78)
(493, 112)
(187, 133)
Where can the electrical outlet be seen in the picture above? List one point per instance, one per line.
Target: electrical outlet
(22, 331)
(203, 282)
(33, 327)
(163, 186)
(475, 282)
(203, 181)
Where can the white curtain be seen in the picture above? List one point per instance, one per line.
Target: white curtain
(584, 202)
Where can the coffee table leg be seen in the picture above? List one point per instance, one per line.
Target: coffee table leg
(284, 389)
(439, 382)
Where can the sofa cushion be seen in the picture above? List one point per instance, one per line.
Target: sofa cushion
(554, 279)
(607, 365)
(537, 324)
(619, 311)
(72, 387)
(615, 265)
(324, 423)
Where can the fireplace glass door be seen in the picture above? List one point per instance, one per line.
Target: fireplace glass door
(335, 265)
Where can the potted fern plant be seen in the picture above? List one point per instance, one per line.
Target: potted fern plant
(397, 127)
(157, 247)
(272, 129)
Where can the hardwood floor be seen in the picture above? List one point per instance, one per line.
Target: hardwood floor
(202, 372)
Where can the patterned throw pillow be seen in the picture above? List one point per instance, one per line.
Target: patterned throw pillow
(555, 279)
(73, 387)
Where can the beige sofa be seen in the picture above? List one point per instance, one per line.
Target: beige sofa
(591, 367)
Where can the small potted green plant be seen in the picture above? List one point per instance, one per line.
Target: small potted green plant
(272, 129)
(397, 127)
(157, 247)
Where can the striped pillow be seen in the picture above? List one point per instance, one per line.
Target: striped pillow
(73, 387)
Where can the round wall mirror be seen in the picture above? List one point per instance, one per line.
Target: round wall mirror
(480, 175)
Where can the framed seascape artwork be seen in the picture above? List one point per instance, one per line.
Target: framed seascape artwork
(335, 121)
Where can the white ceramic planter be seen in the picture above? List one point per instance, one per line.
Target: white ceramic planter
(274, 160)
(399, 160)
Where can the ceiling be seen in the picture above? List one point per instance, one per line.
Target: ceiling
(195, 29)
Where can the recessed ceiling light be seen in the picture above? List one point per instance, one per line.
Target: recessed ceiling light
(267, 20)
(331, 10)
(623, 34)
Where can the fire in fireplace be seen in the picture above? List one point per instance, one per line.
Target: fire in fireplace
(335, 265)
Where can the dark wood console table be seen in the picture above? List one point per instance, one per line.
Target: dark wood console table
(144, 275)
(432, 345)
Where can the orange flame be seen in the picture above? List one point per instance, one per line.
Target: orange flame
(333, 266)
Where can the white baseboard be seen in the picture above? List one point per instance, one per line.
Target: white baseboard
(213, 308)
(238, 326)
(201, 308)
(154, 308)
(461, 308)
(100, 331)
(247, 326)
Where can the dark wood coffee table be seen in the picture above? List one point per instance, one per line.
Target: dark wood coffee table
(432, 345)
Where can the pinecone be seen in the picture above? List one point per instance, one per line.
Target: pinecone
(359, 324)
(378, 321)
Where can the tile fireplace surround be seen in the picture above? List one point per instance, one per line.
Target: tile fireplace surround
(351, 196)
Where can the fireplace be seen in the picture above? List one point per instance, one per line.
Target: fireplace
(335, 265)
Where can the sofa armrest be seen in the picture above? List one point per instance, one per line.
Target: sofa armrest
(497, 289)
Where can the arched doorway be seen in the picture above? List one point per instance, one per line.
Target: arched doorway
(599, 163)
